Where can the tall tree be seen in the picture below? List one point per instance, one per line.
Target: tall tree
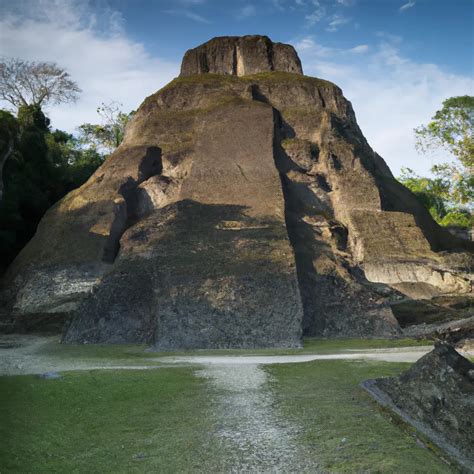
(452, 128)
(8, 139)
(29, 184)
(25, 83)
(28, 86)
(41, 169)
(106, 136)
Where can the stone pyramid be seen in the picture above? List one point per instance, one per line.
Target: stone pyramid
(244, 208)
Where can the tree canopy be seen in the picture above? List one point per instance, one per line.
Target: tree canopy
(8, 140)
(38, 166)
(107, 135)
(434, 194)
(42, 167)
(452, 129)
(33, 83)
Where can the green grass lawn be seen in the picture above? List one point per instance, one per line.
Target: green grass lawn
(342, 425)
(164, 421)
(97, 421)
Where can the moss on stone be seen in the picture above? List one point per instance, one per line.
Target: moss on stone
(204, 79)
(286, 78)
(218, 80)
(294, 142)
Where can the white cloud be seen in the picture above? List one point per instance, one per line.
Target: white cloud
(305, 44)
(195, 16)
(316, 16)
(391, 95)
(360, 49)
(394, 39)
(246, 12)
(406, 6)
(336, 22)
(308, 44)
(191, 2)
(107, 66)
(188, 14)
(277, 4)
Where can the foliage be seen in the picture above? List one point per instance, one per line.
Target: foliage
(452, 128)
(74, 163)
(38, 166)
(435, 194)
(8, 130)
(44, 165)
(458, 218)
(35, 83)
(107, 135)
(431, 192)
(461, 182)
(42, 168)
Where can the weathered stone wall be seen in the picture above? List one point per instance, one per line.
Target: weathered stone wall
(215, 269)
(436, 396)
(240, 56)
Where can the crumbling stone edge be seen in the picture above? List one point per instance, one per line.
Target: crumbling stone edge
(383, 399)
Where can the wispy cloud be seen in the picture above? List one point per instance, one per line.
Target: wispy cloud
(388, 37)
(306, 44)
(93, 47)
(406, 6)
(278, 4)
(360, 49)
(191, 2)
(318, 13)
(188, 14)
(246, 12)
(336, 22)
(312, 48)
(315, 10)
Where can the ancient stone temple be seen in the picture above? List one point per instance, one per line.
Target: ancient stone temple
(244, 208)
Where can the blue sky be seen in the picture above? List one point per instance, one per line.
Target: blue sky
(396, 60)
(431, 29)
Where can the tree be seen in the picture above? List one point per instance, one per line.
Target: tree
(73, 163)
(434, 194)
(29, 183)
(452, 128)
(108, 135)
(25, 83)
(431, 192)
(9, 131)
(43, 166)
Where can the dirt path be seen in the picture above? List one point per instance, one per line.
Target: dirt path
(20, 355)
(399, 354)
(252, 432)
